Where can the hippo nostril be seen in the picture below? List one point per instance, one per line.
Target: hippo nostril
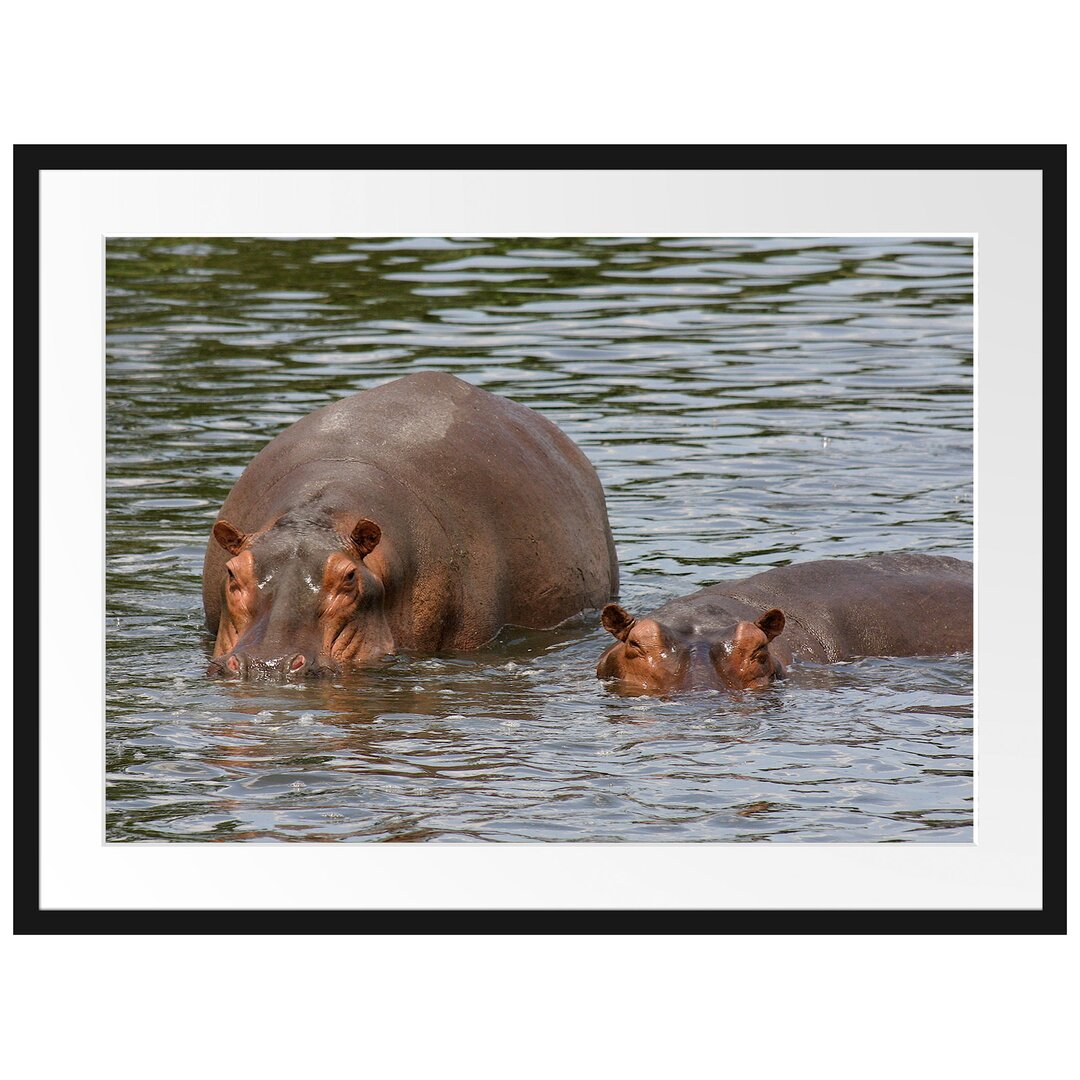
(297, 662)
(232, 664)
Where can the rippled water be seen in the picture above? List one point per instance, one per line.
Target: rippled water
(747, 403)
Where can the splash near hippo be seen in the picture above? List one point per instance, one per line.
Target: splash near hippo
(422, 515)
(743, 635)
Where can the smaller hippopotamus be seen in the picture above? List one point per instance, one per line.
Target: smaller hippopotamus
(728, 636)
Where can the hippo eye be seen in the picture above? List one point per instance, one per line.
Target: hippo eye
(233, 589)
(349, 578)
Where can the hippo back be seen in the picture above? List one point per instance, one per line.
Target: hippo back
(879, 605)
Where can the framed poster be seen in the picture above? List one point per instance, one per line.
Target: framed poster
(766, 356)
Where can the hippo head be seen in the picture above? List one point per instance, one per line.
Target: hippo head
(651, 657)
(300, 598)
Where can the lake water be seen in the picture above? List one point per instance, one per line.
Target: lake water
(746, 402)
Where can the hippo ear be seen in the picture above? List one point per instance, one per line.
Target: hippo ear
(617, 620)
(772, 622)
(365, 536)
(229, 537)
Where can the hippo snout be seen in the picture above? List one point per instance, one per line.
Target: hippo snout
(290, 666)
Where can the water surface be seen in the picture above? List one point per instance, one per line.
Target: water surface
(747, 403)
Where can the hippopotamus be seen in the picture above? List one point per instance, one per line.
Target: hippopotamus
(743, 635)
(421, 515)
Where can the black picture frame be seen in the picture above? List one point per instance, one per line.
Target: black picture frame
(31, 160)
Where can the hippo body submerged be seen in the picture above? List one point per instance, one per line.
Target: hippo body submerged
(729, 635)
(422, 515)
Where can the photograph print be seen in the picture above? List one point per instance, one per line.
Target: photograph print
(605, 539)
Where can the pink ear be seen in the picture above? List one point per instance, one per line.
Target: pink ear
(365, 536)
(772, 622)
(229, 537)
(617, 620)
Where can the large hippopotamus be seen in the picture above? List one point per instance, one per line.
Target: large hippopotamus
(728, 636)
(421, 515)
